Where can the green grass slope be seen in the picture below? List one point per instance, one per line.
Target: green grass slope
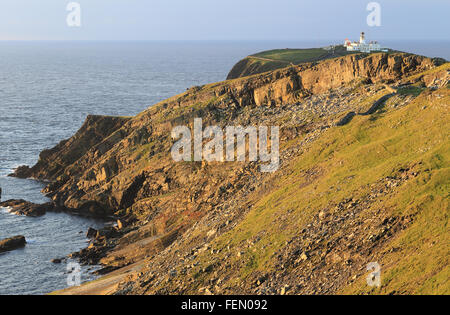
(294, 55)
(403, 151)
(281, 58)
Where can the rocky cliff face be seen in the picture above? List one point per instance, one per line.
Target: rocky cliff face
(292, 84)
(113, 164)
(123, 167)
(54, 161)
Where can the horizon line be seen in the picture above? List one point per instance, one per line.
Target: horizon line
(209, 40)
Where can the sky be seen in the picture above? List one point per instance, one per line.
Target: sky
(223, 20)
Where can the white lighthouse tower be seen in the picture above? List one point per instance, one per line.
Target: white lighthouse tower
(362, 38)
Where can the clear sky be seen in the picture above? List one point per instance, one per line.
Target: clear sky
(223, 19)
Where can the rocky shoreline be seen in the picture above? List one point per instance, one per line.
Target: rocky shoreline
(101, 240)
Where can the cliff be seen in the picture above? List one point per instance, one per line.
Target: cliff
(54, 161)
(106, 165)
(349, 191)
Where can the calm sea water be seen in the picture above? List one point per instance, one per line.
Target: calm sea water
(46, 91)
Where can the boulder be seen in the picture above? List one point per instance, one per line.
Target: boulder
(29, 209)
(22, 172)
(12, 243)
(91, 233)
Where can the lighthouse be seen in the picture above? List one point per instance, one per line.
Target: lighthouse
(362, 38)
(362, 46)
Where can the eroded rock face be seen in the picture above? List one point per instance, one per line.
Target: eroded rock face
(12, 243)
(292, 84)
(437, 80)
(53, 162)
(116, 164)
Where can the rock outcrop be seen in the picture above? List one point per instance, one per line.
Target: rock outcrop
(29, 209)
(54, 161)
(292, 84)
(436, 80)
(12, 243)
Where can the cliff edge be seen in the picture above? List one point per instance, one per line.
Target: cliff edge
(281, 58)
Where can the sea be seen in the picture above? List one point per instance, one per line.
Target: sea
(47, 88)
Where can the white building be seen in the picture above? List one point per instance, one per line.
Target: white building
(362, 45)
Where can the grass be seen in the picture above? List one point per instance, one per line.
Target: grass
(410, 90)
(295, 56)
(445, 66)
(368, 150)
(298, 56)
(281, 58)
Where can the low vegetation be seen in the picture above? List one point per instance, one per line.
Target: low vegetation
(281, 58)
(349, 192)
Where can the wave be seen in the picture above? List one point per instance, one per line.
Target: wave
(6, 209)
